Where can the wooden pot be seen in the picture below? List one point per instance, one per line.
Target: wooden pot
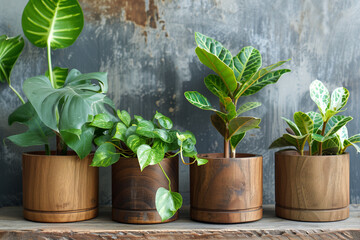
(227, 190)
(133, 191)
(59, 188)
(312, 188)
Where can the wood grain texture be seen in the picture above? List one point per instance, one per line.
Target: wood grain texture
(226, 190)
(133, 191)
(311, 188)
(59, 188)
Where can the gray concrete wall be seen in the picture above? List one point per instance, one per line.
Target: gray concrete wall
(147, 47)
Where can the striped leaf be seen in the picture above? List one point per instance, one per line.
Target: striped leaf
(59, 76)
(215, 85)
(242, 124)
(56, 23)
(247, 106)
(10, 50)
(303, 122)
(339, 98)
(246, 63)
(198, 100)
(335, 123)
(317, 120)
(320, 95)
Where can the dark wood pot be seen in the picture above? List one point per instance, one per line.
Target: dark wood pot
(59, 188)
(227, 190)
(133, 191)
(311, 188)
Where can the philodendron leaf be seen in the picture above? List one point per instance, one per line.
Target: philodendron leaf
(213, 55)
(10, 50)
(320, 95)
(269, 78)
(280, 142)
(164, 121)
(303, 122)
(335, 123)
(145, 128)
(317, 120)
(57, 22)
(236, 139)
(105, 155)
(242, 124)
(134, 142)
(120, 132)
(247, 106)
(215, 85)
(167, 203)
(59, 76)
(246, 63)
(124, 116)
(201, 161)
(164, 135)
(219, 124)
(297, 141)
(149, 156)
(37, 134)
(82, 144)
(68, 108)
(339, 98)
(102, 120)
(293, 126)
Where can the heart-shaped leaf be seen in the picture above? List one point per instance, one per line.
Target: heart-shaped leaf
(105, 155)
(145, 128)
(164, 121)
(164, 135)
(57, 23)
(102, 120)
(120, 132)
(10, 50)
(246, 63)
(167, 203)
(134, 142)
(82, 144)
(149, 156)
(124, 116)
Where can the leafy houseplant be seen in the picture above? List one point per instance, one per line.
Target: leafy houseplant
(148, 141)
(235, 77)
(322, 172)
(60, 102)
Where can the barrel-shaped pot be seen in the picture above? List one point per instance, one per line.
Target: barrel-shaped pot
(311, 188)
(59, 188)
(227, 190)
(133, 191)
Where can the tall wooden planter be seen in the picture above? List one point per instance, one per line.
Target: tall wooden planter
(133, 191)
(59, 188)
(227, 190)
(311, 188)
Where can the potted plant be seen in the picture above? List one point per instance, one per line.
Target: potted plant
(229, 188)
(134, 147)
(57, 186)
(313, 185)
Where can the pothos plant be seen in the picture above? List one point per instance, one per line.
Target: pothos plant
(60, 101)
(324, 132)
(148, 141)
(235, 77)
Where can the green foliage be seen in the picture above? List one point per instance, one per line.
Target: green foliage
(149, 141)
(325, 132)
(10, 50)
(236, 76)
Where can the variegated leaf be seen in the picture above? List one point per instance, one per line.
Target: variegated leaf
(247, 106)
(293, 126)
(320, 95)
(59, 76)
(215, 85)
(317, 120)
(303, 122)
(335, 123)
(10, 50)
(297, 141)
(246, 63)
(339, 98)
(242, 124)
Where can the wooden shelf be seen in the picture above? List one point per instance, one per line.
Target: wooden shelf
(13, 226)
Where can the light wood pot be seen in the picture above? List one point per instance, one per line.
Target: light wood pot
(312, 188)
(133, 191)
(227, 190)
(59, 188)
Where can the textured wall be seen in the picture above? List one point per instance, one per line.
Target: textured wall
(147, 47)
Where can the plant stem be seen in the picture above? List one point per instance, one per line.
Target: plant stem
(49, 65)
(322, 134)
(17, 94)
(233, 152)
(47, 149)
(166, 176)
(226, 143)
(61, 147)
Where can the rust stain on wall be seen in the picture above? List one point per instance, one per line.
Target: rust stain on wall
(135, 11)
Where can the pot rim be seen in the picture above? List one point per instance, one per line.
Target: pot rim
(42, 154)
(288, 153)
(136, 158)
(242, 156)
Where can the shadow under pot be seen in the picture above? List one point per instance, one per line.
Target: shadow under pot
(311, 188)
(227, 190)
(133, 191)
(59, 188)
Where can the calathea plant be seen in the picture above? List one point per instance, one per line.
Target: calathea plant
(60, 101)
(235, 77)
(149, 141)
(324, 132)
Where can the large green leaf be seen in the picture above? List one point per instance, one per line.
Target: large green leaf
(57, 23)
(215, 85)
(236, 139)
(320, 95)
(164, 121)
(59, 76)
(242, 124)
(339, 98)
(246, 63)
(256, 77)
(68, 108)
(269, 78)
(10, 50)
(82, 144)
(124, 117)
(134, 142)
(335, 123)
(247, 106)
(102, 120)
(145, 128)
(37, 134)
(149, 156)
(167, 203)
(120, 131)
(105, 155)
(304, 123)
(213, 55)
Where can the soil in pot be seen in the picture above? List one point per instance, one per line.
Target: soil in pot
(59, 188)
(311, 188)
(133, 191)
(227, 190)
